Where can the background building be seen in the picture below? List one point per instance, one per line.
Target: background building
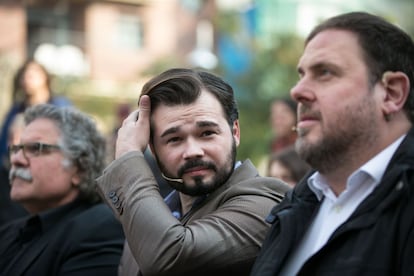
(102, 51)
(113, 44)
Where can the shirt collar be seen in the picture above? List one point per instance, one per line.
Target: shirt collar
(374, 169)
(50, 217)
(377, 165)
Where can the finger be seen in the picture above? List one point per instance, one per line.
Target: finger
(132, 117)
(144, 108)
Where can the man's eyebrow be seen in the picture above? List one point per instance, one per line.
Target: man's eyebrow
(322, 64)
(316, 66)
(207, 124)
(199, 124)
(170, 131)
(319, 65)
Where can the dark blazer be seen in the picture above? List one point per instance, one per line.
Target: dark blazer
(75, 239)
(377, 239)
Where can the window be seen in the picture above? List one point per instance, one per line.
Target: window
(129, 34)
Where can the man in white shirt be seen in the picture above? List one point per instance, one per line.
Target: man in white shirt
(353, 215)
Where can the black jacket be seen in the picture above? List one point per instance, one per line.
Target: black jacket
(377, 239)
(74, 239)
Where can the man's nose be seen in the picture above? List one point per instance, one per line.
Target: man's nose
(302, 91)
(193, 148)
(18, 158)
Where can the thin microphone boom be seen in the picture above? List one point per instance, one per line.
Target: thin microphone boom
(179, 180)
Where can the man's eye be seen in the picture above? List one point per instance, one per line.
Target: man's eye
(325, 72)
(32, 148)
(173, 139)
(208, 133)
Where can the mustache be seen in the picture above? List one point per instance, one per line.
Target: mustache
(196, 163)
(22, 173)
(304, 110)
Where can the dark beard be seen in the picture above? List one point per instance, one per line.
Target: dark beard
(337, 147)
(201, 187)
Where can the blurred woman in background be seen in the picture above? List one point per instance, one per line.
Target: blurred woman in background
(31, 87)
(282, 121)
(287, 166)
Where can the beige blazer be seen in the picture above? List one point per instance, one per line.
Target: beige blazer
(222, 236)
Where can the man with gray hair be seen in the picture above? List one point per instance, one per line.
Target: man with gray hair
(68, 231)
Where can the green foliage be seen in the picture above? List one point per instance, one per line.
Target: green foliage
(92, 99)
(255, 130)
(273, 74)
(228, 22)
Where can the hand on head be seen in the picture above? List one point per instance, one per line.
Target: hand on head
(135, 131)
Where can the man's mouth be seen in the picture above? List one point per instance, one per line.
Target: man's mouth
(196, 170)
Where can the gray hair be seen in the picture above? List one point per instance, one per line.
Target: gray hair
(82, 144)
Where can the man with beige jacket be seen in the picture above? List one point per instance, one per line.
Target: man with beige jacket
(213, 223)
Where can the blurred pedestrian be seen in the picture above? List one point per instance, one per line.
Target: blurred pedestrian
(287, 165)
(31, 86)
(283, 122)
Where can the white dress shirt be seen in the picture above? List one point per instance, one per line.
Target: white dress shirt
(335, 210)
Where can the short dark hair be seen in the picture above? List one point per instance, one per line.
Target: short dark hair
(183, 86)
(385, 47)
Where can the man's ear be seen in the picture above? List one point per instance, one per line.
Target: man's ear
(396, 86)
(236, 132)
(76, 178)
